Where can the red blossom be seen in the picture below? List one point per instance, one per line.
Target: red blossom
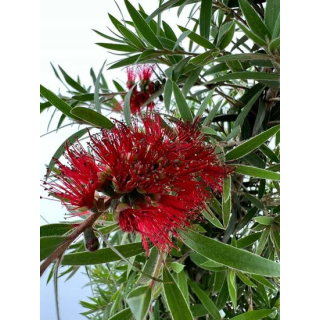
(161, 176)
(147, 87)
(76, 184)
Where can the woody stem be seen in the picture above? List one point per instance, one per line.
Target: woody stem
(74, 235)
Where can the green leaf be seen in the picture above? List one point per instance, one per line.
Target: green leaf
(248, 240)
(263, 240)
(139, 300)
(183, 107)
(107, 37)
(125, 314)
(266, 221)
(257, 172)
(204, 58)
(203, 42)
(190, 81)
(243, 57)
(136, 41)
(117, 47)
(92, 117)
(204, 104)
(274, 44)
(55, 229)
(246, 75)
(167, 94)
(49, 244)
(176, 267)
(205, 18)
(125, 62)
(212, 218)
(254, 200)
(262, 280)
(254, 315)
(225, 35)
(254, 21)
(182, 36)
(74, 84)
(102, 255)
(175, 299)
(247, 108)
(271, 14)
(183, 285)
(226, 203)
(57, 102)
(169, 32)
(71, 140)
(251, 144)
(212, 113)
(251, 35)
(276, 30)
(96, 90)
(149, 266)
(232, 287)
(245, 279)
(127, 106)
(84, 97)
(142, 26)
(44, 106)
(230, 256)
(205, 300)
(217, 68)
(161, 8)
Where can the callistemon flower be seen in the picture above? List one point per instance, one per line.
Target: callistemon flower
(161, 177)
(146, 86)
(76, 183)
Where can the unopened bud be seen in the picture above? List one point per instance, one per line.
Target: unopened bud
(90, 239)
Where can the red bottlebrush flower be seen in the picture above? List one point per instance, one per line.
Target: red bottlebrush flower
(145, 72)
(147, 88)
(131, 77)
(161, 176)
(76, 184)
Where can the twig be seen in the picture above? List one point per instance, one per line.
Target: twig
(74, 235)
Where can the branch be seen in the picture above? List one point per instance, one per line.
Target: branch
(74, 235)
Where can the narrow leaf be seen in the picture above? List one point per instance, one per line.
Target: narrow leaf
(205, 18)
(102, 255)
(253, 315)
(74, 84)
(206, 301)
(232, 287)
(230, 256)
(251, 144)
(183, 107)
(96, 90)
(142, 26)
(92, 117)
(49, 244)
(175, 299)
(254, 21)
(247, 108)
(271, 14)
(257, 172)
(55, 229)
(56, 101)
(138, 301)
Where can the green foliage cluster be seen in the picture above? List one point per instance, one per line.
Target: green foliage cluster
(224, 68)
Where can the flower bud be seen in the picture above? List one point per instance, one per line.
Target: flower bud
(90, 239)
